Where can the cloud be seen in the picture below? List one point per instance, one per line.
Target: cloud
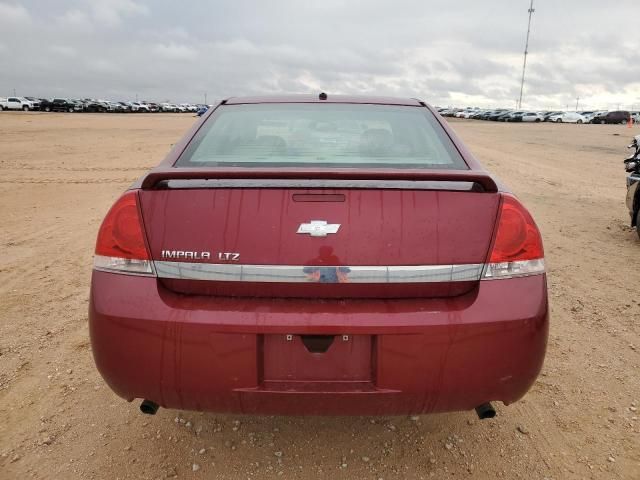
(63, 50)
(467, 53)
(12, 14)
(102, 66)
(74, 19)
(112, 12)
(174, 51)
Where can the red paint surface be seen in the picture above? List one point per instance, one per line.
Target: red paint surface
(427, 355)
(445, 347)
(377, 227)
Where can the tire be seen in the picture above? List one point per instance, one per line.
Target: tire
(602, 122)
(25, 108)
(47, 108)
(579, 121)
(70, 109)
(559, 120)
(623, 122)
(537, 120)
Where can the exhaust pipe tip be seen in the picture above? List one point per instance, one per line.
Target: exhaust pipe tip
(485, 411)
(149, 407)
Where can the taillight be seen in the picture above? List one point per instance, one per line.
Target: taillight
(120, 246)
(517, 248)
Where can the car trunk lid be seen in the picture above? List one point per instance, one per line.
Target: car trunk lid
(324, 238)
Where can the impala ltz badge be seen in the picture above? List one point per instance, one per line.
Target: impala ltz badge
(189, 255)
(318, 228)
(185, 254)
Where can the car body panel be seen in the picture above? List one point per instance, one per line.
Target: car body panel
(568, 117)
(633, 197)
(617, 116)
(376, 227)
(208, 353)
(193, 341)
(15, 103)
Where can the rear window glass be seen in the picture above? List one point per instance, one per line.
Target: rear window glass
(322, 135)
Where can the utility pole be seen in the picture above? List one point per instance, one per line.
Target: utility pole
(205, 98)
(526, 51)
(577, 100)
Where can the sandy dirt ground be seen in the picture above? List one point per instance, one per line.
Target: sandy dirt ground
(59, 173)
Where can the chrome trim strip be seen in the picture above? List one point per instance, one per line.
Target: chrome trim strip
(319, 274)
(450, 185)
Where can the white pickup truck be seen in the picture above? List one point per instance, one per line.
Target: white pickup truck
(15, 103)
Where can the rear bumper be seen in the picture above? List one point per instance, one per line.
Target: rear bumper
(400, 356)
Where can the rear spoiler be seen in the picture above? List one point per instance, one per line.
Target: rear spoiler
(161, 175)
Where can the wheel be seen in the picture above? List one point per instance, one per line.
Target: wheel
(559, 120)
(537, 120)
(70, 109)
(602, 122)
(47, 108)
(25, 108)
(579, 121)
(623, 122)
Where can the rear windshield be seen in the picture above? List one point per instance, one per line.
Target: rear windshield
(322, 135)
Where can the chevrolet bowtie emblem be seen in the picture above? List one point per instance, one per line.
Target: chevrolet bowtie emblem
(318, 228)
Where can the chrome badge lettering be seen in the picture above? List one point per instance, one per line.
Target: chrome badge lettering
(185, 254)
(318, 228)
(228, 256)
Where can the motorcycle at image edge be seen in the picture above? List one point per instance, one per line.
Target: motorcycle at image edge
(632, 167)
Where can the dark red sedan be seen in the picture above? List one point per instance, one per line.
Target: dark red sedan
(319, 255)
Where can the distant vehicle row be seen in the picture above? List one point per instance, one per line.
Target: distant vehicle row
(506, 115)
(92, 105)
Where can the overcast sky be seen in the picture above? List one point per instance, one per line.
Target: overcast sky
(463, 52)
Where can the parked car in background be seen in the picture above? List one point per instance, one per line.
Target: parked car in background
(477, 115)
(531, 117)
(95, 106)
(590, 115)
(35, 102)
(168, 107)
(188, 107)
(78, 105)
(466, 113)
(550, 114)
(139, 107)
(510, 116)
(126, 108)
(58, 105)
(496, 114)
(567, 117)
(632, 167)
(153, 107)
(617, 116)
(16, 103)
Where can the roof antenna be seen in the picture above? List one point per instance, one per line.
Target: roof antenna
(322, 96)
